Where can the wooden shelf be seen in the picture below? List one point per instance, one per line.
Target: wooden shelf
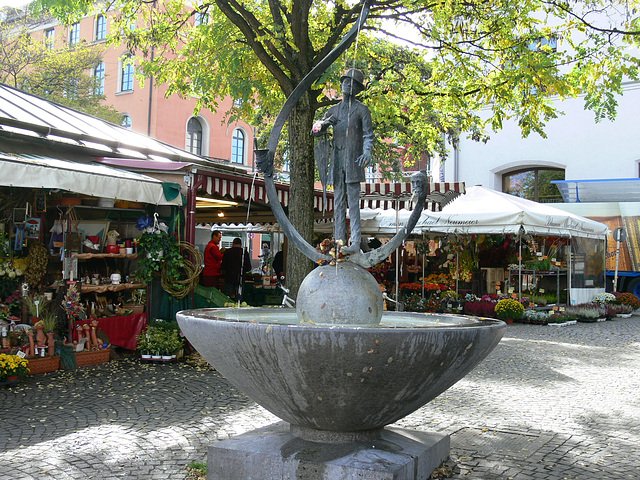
(87, 256)
(111, 287)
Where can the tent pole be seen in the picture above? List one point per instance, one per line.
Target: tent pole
(457, 273)
(397, 263)
(519, 268)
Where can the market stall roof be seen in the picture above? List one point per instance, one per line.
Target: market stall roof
(36, 171)
(247, 187)
(484, 211)
(397, 195)
(36, 121)
(599, 190)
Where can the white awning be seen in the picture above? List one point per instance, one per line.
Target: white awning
(35, 171)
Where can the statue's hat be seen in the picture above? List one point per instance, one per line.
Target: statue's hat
(354, 74)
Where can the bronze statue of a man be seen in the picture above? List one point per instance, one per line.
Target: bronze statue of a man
(352, 147)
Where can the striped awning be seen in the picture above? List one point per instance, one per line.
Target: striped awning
(398, 195)
(245, 188)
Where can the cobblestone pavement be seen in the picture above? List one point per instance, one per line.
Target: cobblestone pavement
(549, 403)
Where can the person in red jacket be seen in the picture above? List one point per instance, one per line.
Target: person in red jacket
(212, 261)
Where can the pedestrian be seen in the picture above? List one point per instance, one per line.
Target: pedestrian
(212, 261)
(352, 149)
(235, 263)
(264, 256)
(278, 262)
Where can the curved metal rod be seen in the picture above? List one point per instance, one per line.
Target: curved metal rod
(265, 158)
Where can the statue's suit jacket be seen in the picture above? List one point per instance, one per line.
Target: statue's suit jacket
(349, 142)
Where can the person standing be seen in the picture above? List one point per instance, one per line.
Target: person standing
(235, 263)
(352, 149)
(212, 261)
(278, 262)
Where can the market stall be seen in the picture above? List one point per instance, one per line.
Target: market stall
(482, 212)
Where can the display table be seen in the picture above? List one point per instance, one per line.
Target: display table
(122, 330)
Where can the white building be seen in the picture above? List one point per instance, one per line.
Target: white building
(576, 144)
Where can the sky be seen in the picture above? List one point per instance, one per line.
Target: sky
(13, 3)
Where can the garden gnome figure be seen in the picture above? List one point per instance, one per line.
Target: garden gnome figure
(351, 154)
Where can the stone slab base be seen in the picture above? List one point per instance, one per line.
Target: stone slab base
(273, 453)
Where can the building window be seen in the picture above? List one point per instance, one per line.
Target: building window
(74, 34)
(49, 38)
(127, 72)
(101, 27)
(371, 174)
(126, 122)
(98, 73)
(534, 184)
(194, 136)
(237, 147)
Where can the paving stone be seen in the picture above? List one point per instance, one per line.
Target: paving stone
(546, 404)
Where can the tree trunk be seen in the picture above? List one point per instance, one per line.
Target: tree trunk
(302, 166)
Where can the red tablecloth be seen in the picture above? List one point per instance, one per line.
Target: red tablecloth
(122, 330)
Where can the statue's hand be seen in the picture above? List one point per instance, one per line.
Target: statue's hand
(364, 160)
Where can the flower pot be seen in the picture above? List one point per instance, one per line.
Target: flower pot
(156, 357)
(508, 321)
(144, 356)
(166, 357)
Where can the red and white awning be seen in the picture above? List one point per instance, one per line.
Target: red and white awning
(245, 188)
(397, 195)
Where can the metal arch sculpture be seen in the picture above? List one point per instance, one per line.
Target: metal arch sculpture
(265, 159)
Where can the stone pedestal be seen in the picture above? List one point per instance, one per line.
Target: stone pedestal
(273, 453)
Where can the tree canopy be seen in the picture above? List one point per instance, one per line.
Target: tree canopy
(473, 65)
(60, 75)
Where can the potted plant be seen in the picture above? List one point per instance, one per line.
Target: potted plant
(162, 255)
(37, 304)
(588, 312)
(12, 367)
(509, 310)
(144, 346)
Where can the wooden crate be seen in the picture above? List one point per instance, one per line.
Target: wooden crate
(92, 358)
(43, 364)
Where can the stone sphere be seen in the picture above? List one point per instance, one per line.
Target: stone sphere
(342, 294)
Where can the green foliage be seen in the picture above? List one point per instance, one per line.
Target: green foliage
(62, 75)
(160, 338)
(49, 321)
(41, 308)
(160, 254)
(509, 309)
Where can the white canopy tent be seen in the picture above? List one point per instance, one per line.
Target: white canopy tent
(484, 211)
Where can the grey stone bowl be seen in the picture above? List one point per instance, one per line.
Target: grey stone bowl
(339, 378)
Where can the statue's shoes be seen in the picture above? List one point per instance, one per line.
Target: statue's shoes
(351, 249)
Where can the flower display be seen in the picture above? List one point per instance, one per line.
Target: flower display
(9, 277)
(628, 299)
(603, 298)
(509, 309)
(72, 304)
(13, 366)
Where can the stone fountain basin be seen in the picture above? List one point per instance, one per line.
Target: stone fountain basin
(339, 378)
